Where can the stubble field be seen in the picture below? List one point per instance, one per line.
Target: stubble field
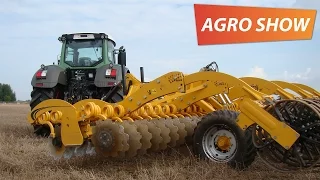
(24, 156)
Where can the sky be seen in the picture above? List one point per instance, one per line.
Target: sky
(159, 35)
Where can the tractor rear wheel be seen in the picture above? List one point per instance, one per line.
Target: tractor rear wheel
(218, 138)
(37, 96)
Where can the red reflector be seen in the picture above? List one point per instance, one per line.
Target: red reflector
(41, 74)
(113, 73)
(38, 75)
(111, 83)
(39, 84)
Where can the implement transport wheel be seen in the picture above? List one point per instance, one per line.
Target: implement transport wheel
(218, 138)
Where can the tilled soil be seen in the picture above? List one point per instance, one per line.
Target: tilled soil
(24, 156)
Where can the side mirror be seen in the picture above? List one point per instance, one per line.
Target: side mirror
(122, 60)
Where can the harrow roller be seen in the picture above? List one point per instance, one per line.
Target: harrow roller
(300, 113)
(302, 116)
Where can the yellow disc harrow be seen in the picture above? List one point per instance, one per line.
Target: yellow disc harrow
(224, 118)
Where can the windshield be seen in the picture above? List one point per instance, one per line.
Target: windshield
(83, 53)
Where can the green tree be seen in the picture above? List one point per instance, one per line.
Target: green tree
(1, 93)
(6, 93)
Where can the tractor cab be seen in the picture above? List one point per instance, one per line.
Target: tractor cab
(86, 50)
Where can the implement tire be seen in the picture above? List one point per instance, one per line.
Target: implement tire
(228, 144)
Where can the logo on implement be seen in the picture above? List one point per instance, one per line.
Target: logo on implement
(217, 24)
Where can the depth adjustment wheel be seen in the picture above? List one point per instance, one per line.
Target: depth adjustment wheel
(219, 144)
(218, 138)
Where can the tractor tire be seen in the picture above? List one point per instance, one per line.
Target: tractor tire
(40, 94)
(37, 96)
(205, 145)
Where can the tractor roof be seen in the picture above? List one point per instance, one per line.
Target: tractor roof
(96, 34)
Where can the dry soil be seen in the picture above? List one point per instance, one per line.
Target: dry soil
(24, 156)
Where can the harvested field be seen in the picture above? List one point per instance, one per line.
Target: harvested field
(23, 156)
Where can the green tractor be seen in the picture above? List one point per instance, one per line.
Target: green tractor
(87, 68)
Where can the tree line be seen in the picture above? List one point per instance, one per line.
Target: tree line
(6, 93)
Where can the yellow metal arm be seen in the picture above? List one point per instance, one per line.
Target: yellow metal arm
(294, 88)
(308, 88)
(267, 87)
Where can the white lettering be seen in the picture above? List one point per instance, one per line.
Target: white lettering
(282, 22)
(263, 24)
(232, 23)
(275, 24)
(301, 23)
(259, 22)
(223, 25)
(241, 24)
(207, 24)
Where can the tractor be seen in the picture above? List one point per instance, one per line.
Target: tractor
(87, 69)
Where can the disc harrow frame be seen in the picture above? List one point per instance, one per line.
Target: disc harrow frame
(163, 113)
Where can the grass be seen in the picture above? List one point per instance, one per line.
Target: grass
(24, 156)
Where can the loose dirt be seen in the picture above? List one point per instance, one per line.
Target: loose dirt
(24, 156)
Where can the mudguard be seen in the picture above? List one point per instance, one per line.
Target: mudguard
(55, 75)
(102, 81)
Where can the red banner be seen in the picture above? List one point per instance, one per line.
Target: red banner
(217, 24)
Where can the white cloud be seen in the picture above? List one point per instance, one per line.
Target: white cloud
(257, 72)
(301, 77)
(298, 77)
(307, 77)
